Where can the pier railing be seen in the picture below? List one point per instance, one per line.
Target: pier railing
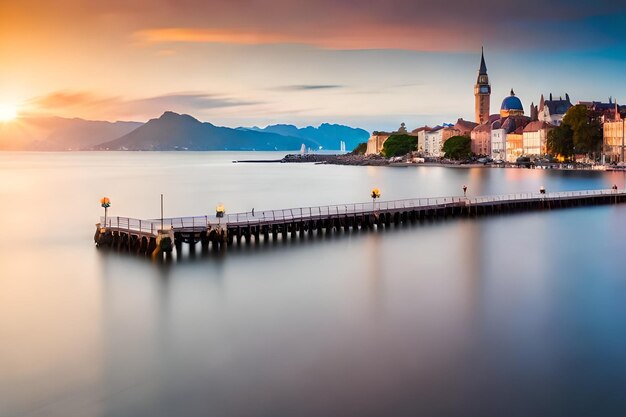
(560, 195)
(135, 225)
(262, 217)
(337, 210)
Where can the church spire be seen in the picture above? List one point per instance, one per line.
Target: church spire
(482, 92)
(483, 66)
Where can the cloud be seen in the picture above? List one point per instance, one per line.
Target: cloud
(308, 87)
(69, 100)
(454, 25)
(419, 25)
(371, 36)
(91, 105)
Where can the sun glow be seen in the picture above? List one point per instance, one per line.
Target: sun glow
(7, 112)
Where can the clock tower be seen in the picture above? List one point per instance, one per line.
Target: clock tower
(482, 93)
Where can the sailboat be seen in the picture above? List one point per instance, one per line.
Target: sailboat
(302, 149)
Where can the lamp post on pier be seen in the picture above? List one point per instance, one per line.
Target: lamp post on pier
(219, 213)
(375, 194)
(105, 202)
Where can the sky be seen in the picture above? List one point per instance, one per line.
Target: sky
(371, 64)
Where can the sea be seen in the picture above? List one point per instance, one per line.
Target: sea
(518, 314)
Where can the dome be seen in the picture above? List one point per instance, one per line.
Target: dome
(511, 106)
(512, 103)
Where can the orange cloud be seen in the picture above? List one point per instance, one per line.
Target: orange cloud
(91, 105)
(415, 38)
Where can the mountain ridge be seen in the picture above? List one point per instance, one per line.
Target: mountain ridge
(173, 131)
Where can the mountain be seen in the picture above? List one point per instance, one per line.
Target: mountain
(59, 134)
(326, 135)
(173, 131)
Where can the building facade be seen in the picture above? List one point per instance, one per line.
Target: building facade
(420, 132)
(614, 143)
(514, 145)
(482, 93)
(375, 142)
(489, 139)
(535, 138)
(433, 142)
(498, 144)
(481, 139)
(552, 111)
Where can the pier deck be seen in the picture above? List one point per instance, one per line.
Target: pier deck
(141, 236)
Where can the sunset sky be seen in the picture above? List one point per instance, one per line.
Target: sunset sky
(371, 63)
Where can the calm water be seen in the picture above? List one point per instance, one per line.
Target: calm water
(513, 315)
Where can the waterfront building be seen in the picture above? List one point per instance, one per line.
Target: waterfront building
(614, 143)
(535, 138)
(504, 130)
(489, 139)
(420, 132)
(460, 128)
(481, 139)
(375, 142)
(552, 111)
(433, 141)
(482, 93)
(498, 143)
(514, 145)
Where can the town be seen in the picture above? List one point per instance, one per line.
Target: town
(556, 130)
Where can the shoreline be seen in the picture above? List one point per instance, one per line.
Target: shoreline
(376, 160)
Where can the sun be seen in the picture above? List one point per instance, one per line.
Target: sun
(7, 112)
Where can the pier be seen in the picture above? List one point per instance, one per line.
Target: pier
(158, 236)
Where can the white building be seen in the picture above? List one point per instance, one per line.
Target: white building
(433, 142)
(552, 111)
(420, 132)
(498, 144)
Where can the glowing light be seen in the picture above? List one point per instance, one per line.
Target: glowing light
(7, 112)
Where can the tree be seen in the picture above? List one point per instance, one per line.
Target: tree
(360, 149)
(561, 141)
(458, 147)
(586, 127)
(398, 145)
(580, 132)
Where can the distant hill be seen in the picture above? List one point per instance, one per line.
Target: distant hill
(326, 135)
(173, 131)
(59, 134)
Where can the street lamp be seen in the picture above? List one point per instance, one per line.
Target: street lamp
(106, 203)
(375, 194)
(219, 212)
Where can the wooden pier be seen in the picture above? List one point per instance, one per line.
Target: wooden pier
(158, 236)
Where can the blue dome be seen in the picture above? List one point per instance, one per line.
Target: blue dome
(512, 103)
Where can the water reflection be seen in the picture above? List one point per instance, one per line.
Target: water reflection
(513, 314)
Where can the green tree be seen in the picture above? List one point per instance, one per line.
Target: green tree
(458, 147)
(398, 145)
(561, 141)
(360, 149)
(580, 132)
